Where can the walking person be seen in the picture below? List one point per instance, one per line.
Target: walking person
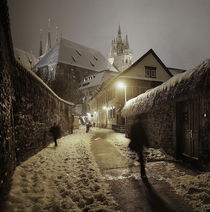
(72, 124)
(88, 125)
(138, 142)
(55, 131)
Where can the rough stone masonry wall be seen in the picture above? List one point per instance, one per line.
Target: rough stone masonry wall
(28, 108)
(160, 127)
(7, 162)
(35, 109)
(7, 155)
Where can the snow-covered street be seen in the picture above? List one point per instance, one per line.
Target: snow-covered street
(71, 177)
(65, 178)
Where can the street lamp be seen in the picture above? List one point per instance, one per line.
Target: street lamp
(106, 111)
(123, 85)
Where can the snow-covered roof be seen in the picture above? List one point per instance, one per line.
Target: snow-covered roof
(26, 59)
(174, 87)
(70, 53)
(96, 79)
(151, 51)
(175, 71)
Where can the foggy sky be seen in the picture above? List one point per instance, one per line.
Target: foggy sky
(177, 30)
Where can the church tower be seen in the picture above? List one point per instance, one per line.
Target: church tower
(48, 42)
(120, 54)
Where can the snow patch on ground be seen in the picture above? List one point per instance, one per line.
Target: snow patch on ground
(192, 186)
(63, 178)
(67, 178)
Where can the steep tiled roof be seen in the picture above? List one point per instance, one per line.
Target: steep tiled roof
(96, 79)
(70, 53)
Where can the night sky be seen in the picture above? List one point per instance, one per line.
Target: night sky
(177, 30)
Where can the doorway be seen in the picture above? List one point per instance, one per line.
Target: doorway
(188, 129)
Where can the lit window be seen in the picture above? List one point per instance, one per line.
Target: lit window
(150, 72)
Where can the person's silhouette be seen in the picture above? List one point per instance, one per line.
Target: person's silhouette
(55, 132)
(88, 125)
(138, 142)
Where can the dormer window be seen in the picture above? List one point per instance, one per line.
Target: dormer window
(95, 58)
(73, 59)
(150, 72)
(91, 63)
(78, 53)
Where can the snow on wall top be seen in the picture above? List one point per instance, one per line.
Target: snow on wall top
(46, 86)
(26, 59)
(70, 53)
(174, 87)
(175, 71)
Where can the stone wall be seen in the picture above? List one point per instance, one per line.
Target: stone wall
(28, 108)
(7, 155)
(161, 126)
(35, 109)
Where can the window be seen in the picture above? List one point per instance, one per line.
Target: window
(95, 58)
(91, 63)
(150, 72)
(78, 53)
(73, 59)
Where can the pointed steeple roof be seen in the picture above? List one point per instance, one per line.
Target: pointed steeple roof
(119, 30)
(119, 37)
(126, 42)
(48, 43)
(56, 35)
(40, 44)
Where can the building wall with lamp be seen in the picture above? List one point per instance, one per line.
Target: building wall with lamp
(146, 73)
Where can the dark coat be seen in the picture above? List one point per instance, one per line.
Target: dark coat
(138, 137)
(55, 131)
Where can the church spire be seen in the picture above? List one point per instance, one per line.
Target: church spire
(119, 37)
(56, 36)
(48, 43)
(119, 30)
(40, 44)
(126, 42)
(120, 53)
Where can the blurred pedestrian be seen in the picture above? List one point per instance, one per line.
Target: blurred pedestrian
(72, 124)
(138, 142)
(88, 125)
(55, 131)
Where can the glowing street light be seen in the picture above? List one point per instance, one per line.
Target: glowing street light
(123, 85)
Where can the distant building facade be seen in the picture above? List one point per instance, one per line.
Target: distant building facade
(178, 114)
(92, 84)
(146, 73)
(120, 53)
